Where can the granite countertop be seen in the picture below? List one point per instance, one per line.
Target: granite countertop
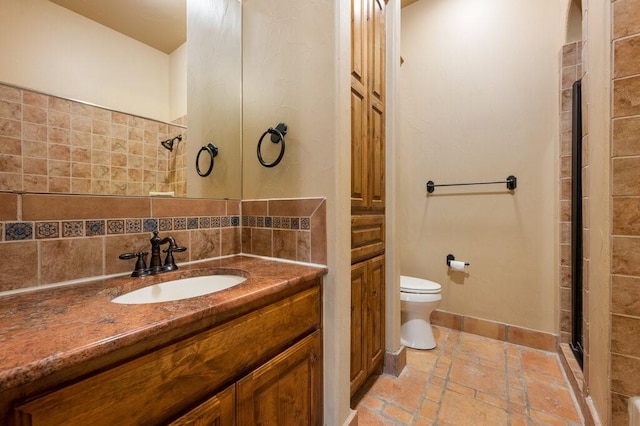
(44, 332)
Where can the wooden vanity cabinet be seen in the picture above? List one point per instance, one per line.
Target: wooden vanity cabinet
(263, 367)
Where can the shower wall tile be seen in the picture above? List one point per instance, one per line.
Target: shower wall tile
(626, 97)
(625, 295)
(619, 409)
(625, 140)
(625, 18)
(626, 216)
(625, 176)
(625, 339)
(570, 54)
(625, 256)
(68, 134)
(626, 57)
(624, 373)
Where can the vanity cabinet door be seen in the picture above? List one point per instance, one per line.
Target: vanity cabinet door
(358, 358)
(287, 390)
(217, 411)
(367, 320)
(374, 316)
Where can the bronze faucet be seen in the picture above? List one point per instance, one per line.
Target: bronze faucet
(155, 266)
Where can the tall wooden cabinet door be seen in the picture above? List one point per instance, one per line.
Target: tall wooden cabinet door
(358, 356)
(217, 411)
(377, 39)
(287, 390)
(374, 319)
(360, 12)
(359, 104)
(376, 98)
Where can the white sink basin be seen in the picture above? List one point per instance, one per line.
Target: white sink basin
(184, 288)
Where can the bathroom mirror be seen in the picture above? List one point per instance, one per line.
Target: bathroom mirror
(119, 95)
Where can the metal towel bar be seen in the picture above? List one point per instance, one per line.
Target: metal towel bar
(512, 183)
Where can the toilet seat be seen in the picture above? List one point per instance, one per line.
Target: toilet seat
(419, 286)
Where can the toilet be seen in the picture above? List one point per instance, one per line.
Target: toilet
(418, 298)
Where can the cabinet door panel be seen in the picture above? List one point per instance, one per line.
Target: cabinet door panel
(376, 71)
(286, 390)
(358, 359)
(217, 411)
(376, 161)
(375, 313)
(358, 40)
(359, 149)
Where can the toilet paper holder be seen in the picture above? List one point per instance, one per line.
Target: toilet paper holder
(451, 257)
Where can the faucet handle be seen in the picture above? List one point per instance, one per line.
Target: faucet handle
(169, 261)
(141, 265)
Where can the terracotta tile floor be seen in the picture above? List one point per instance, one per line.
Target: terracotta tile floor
(471, 380)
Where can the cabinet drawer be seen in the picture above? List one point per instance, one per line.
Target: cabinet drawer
(172, 380)
(367, 236)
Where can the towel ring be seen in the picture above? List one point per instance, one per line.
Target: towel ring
(277, 135)
(213, 152)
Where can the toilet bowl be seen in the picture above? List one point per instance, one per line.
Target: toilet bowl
(418, 298)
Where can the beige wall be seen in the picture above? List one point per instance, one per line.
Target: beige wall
(178, 82)
(46, 47)
(214, 94)
(296, 70)
(478, 101)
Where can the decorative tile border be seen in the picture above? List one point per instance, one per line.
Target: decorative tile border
(20, 231)
(277, 222)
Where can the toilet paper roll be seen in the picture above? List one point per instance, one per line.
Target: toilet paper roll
(457, 265)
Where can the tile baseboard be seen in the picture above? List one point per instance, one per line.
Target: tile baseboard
(495, 330)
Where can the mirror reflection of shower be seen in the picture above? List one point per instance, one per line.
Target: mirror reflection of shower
(168, 144)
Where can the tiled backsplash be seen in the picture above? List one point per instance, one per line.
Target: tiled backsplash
(286, 229)
(55, 145)
(47, 238)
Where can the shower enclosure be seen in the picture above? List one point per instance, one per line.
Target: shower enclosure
(576, 223)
